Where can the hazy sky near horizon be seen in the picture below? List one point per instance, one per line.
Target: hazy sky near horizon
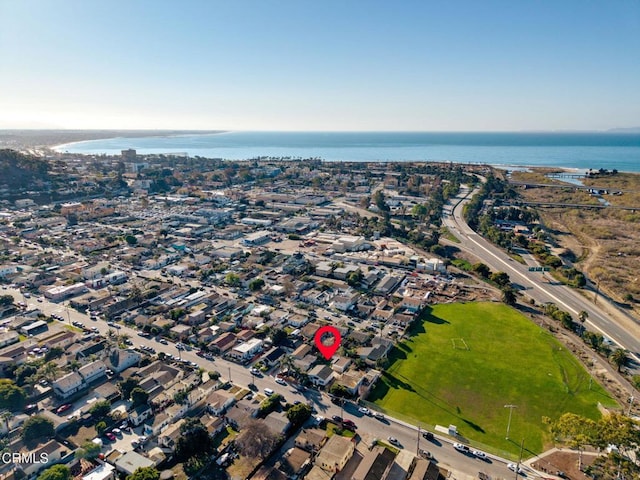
(462, 65)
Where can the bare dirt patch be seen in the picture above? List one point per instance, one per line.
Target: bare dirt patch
(606, 242)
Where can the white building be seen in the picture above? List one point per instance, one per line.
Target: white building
(246, 350)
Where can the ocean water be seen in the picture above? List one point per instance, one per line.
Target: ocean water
(579, 151)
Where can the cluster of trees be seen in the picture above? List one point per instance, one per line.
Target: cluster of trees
(256, 440)
(500, 279)
(12, 397)
(194, 446)
(595, 340)
(613, 429)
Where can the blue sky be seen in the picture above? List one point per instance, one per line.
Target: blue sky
(320, 65)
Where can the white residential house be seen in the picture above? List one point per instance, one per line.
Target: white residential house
(321, 375)
(246, 350)
(68, 385)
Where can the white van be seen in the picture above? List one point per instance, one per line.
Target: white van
(268, 392)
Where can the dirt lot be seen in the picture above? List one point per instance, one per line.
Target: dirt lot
(605, 242)
(564, 461)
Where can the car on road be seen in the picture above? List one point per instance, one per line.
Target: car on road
(515, 468)
(336, 419)
(349, 424)
(480, 454)
(63, 408)
(179, 346)
(280, 381)
(163, 341)
(394, 441)
(117, 432)
(318, 419)
(110, 436)
(268, 392)
(428, 436)
(255, 371)
(461, 448)
(364, 411)
(378, 415)
(425, 454)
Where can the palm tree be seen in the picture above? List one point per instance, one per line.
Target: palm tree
(6, 416)
(49, 371)
(619, 358)
(286, 363)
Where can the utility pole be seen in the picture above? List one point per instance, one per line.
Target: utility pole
(595, 298)
(510, 407)
(418, 444)
(519, 458)
(229, 374)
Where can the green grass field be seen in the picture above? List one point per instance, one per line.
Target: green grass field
(434, 379)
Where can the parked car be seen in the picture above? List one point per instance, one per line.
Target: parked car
(63, 408)
(425, 454)
(480, 454)
(364, 411)
(394, 441)
(110, 436)
(280, 381)
(349, 424)
(378, 415)
(268, 392)
(336, 419)
(515, 468)
(461, 448)
(163, 341)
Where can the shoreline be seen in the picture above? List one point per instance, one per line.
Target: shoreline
(30, 139)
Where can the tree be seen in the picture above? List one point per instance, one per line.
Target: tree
(130, 239)
(101, 426)
(582, 316)
(57, 472)
(12, 397)
(256, 284)
(339, 390)
(354, 278)
(49, 371)
(100, 409)
(298, 414)
(6, 300)
(619, 358)
(127, 386)
(232, 279)
(277, 336)
(256, 440)
(577, 431)
(36, 428)
(139, 396)
(481, 269)
(500, 278)
(194, 440)
(88, 450)
(144, 473)
(509, 296)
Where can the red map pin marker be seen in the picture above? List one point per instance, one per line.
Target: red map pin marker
(327, 351)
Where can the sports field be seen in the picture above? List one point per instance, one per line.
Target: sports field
(465, 361)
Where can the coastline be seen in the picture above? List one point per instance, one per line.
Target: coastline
(29, 139)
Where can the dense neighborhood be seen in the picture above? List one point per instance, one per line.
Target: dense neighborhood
(240, 267)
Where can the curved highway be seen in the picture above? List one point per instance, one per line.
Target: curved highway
(623, 331)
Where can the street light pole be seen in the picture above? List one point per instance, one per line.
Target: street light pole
(510, 407)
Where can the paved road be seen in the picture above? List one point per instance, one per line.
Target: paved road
(540, 287)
